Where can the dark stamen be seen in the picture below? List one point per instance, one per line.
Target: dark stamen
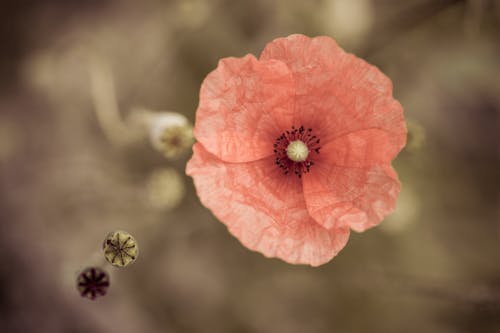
(280, 150)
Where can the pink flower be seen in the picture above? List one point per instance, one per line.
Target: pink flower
(294, 149)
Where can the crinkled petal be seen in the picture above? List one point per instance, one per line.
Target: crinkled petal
(337, 93)
(353, 184)
(362, 149)
(263, 208)
(244, 105)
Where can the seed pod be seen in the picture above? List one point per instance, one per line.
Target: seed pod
(93, 282)
(171, 134)
(120, 248)
(416, 137)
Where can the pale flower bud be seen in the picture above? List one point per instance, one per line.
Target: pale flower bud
(165, 188)
(170, 133)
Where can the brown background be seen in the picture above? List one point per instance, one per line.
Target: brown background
(434, 266)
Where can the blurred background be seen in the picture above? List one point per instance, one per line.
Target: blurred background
(73, 169)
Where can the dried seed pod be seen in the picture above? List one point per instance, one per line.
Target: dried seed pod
(93, 282)
(120, 248)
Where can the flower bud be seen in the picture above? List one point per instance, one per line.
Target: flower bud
(171, 134)
(165, 188)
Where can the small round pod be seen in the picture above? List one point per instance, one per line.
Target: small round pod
(165, 189)
(416, 137)
(120, 248)
(171, 134)
(92, 282)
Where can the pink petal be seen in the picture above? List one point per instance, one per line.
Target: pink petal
(348, 186)
(363, 148)
(349, 105)
(244, 105)
(336, 92)
(263, 208)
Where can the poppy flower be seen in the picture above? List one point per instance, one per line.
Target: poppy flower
(294, 148)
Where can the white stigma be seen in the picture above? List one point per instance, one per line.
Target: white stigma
(297, 151)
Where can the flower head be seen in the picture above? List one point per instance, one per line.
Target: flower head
(295, 148)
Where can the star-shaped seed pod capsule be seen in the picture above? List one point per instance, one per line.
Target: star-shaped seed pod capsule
(92, 282)
(120, 248)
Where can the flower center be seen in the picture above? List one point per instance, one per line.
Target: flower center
(297, 151)
(293, 150)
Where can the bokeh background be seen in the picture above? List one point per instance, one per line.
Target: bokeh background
(70, 171)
